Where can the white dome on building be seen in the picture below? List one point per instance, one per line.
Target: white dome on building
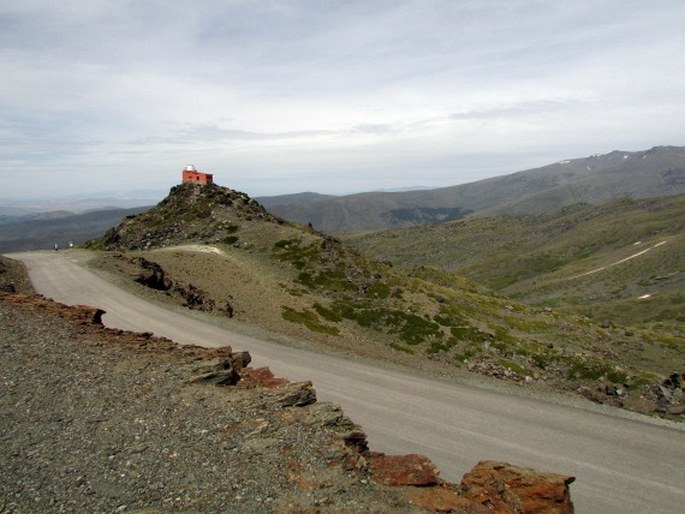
(190, 167)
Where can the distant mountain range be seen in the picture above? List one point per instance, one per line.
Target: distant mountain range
(40, 231)
(595, 179)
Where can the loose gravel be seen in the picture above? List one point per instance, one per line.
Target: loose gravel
(91, 425)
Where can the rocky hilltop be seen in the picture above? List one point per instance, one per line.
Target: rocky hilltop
(103, 420)
(191, 212)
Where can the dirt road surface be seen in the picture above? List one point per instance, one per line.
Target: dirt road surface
(623, 463)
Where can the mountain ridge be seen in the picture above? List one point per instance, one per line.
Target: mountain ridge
(39, 231)
(659, 171)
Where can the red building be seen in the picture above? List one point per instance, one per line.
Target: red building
(190, 174)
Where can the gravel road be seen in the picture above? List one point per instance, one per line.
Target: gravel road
(624, 463)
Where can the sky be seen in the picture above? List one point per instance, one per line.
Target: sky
(333, 96)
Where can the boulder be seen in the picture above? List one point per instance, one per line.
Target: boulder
(152, 275)
(506, 488)
(409, 469)
(222, 373)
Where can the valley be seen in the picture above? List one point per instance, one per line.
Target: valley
(617, 263)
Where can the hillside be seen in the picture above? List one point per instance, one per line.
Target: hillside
(215, 249)
(269, 202)
(40, 231)
(622, 261)
(595, 179)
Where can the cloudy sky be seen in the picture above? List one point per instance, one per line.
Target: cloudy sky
(334, 96)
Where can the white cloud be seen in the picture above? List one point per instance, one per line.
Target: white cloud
(332, 96)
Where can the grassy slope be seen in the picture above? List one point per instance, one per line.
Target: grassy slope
(293, 280)
(547, 260)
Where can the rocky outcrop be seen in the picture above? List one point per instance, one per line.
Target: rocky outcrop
(412, 469)
(509, 489)
(167, 415)
(191, 212)
(151, 274)
(13, 277)
(669, 394)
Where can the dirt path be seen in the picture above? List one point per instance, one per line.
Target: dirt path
(630, 257)
(623, 463)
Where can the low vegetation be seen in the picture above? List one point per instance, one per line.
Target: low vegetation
(622, 261)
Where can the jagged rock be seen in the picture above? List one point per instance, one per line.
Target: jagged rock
(665, 394)
(297, 395)
(510, 489)
(260, 377)
(444, 499)
(241, 359)
(674, 381)
(152, 275)
(220, 377)
(223, 373)
(279, 391)
(357, 441)
(409, 469)
(317, 446)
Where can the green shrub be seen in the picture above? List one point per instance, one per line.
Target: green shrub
(379, 290)
(594, 369)
(411, 328)
(309, 319)
(467, 333)
(440, 346)
(401, 348)
(327, 314)
(284, 242)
